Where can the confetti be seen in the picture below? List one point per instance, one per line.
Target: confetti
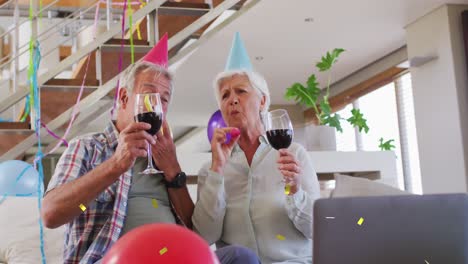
(163, 250)
(330, 217)
(361, 220)
(280, 237)
(155, 203)
(427, 262)
(287, 189)
(83, 208)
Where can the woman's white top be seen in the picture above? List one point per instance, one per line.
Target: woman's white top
(247, 206)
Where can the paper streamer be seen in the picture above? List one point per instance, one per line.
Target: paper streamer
(116, 95)
(130, 21)
(25, 112)
(37, 109)
(138, 25)
(31, 66)
(35, 60)
(75, 108)
(54, 135)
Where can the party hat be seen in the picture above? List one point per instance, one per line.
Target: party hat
(238, 57)
(158, 54)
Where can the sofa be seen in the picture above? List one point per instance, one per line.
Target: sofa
(19, 222)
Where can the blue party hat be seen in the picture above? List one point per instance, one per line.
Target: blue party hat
(238, 57)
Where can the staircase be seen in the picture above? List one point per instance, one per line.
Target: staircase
(184, 21)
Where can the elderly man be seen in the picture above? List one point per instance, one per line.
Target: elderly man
(96, 189)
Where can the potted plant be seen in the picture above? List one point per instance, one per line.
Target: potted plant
(310, 95)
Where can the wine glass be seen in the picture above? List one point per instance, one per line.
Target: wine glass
(148, 109)
(279, 132)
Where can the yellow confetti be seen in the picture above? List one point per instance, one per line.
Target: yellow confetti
(163, 250)
(280, 237)
(155, 203)
(361, 220)
(83, 208)
(287, 189)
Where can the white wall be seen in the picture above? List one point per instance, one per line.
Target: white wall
(440, 99)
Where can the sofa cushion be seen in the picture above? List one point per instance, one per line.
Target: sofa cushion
(347, 186)
(19, 233)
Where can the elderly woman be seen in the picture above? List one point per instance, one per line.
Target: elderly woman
(241, 197)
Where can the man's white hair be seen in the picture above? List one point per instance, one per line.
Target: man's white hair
(127, 79)
(256, 81)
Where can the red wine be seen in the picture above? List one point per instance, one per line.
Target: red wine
(151, 118)
(280, 138)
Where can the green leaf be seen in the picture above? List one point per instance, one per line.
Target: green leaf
(387, 145)
(312, 88)
(358, 120)
(300, 94)
(304, 95)
(329, 59)
(333, 121)
(325, 106)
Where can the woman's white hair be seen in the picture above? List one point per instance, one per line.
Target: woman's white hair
(256, 81)
(127, 79)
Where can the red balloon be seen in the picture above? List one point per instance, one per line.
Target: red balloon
(160, 243)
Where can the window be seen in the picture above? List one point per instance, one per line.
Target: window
(346, 141)
(389, 112)
(380, 109)
(409, 140)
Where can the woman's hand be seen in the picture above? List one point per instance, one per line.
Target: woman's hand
(220, 150)
(291, 170)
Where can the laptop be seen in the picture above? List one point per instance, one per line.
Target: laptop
(409, 229)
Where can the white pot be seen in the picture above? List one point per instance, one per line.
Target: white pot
(316, 138)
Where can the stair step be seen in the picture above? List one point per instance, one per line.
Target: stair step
(125, 48)
(70, 83)
(15, 125)
(10, 140)
(183, 9)
(64, 52)
(136, 42)
(140, 46)
(8, 131)
(15, 128)
(238, 5)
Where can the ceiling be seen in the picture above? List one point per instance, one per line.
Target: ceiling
(277, 31)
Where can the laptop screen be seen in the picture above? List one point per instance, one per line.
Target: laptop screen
(393, 229)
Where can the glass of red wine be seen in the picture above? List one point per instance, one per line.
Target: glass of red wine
(279, 132)
(148, 109)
